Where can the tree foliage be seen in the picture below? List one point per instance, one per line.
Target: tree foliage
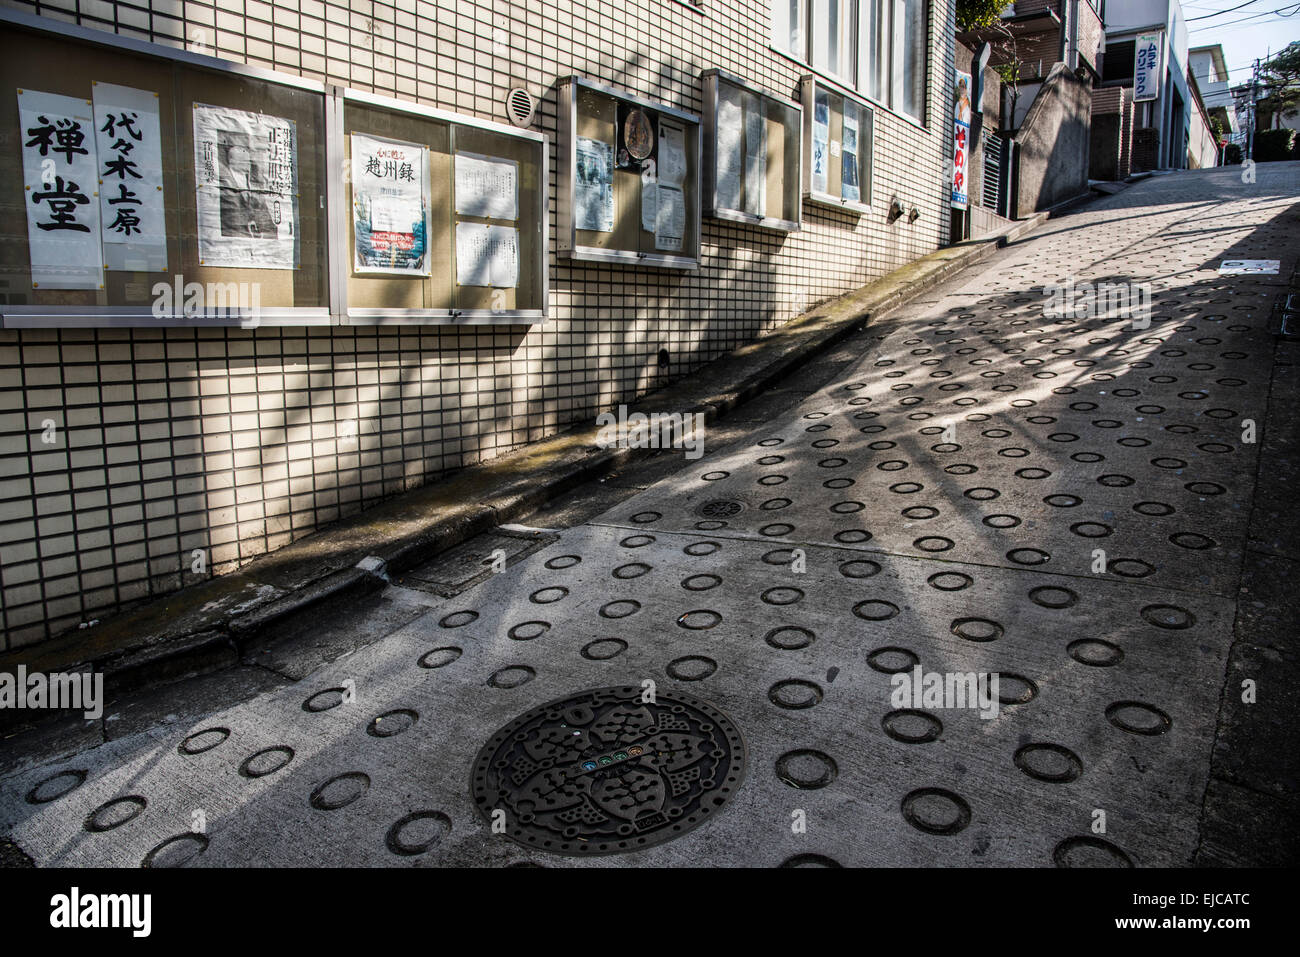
(973, 14)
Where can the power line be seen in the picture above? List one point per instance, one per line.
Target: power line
(1294, 8)
(1222, 12)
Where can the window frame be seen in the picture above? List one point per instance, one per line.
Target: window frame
(808, 85)
(857, 84)
(335, 225)
(708, 173)
(567, 247)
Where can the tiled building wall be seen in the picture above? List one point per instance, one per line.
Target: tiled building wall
(237, 442)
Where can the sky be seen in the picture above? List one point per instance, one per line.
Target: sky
(1260, 26)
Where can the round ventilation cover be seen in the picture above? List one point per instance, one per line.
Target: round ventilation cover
(520, 106)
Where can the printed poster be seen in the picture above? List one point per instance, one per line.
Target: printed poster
(649, 195)
(960, 139)
(129, 141)
(487, 186)
(1146, 67)
(850, 188)
(731, 126)
(60, 186)
(390, 212)
(593, 194)
(820, 143)
(755, 156)
(487, 255)
(246, 176)
(670, 211)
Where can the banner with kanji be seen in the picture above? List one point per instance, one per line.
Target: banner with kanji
(389, 210)
(60, 189)
(961, 111)
(129, 142)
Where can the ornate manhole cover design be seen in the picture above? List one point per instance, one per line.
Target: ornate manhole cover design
(601, 772)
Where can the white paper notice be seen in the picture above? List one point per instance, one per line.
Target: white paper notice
(670, 219)
(487, 186)
(649, 196)
(487, 255)
(755, 157)
(389, 208)
(593, 194)
(60, 176)
(246, 182)
(672, 154)
(730, 125)
(850, 189)
(129, 139)
(821, 143)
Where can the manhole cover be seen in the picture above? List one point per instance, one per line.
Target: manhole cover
(720, 508)
(602, 772)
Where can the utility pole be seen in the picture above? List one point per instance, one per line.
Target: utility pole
(1250, 115)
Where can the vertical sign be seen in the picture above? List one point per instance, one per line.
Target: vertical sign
(389, 211)
(246, 180)
(60, 170)
(129, 141)
(1146, 68)
(960, 140)
(820, 144)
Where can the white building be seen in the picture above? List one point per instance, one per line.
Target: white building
(1211, 73)
(1169, 114)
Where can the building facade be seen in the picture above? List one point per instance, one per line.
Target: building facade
(1162, 124)
(139, 458)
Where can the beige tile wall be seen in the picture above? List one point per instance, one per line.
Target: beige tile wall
(235, 442)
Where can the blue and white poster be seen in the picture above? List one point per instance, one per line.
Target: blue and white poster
(1146, 68)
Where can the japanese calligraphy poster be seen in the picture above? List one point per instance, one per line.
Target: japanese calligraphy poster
(1146, 67)
(389, 207)
(487, 255)
(60, 183)
(487, 186)
(820, 143)
(961, 111)
(593, 194)
(245, 170)
(129, 142)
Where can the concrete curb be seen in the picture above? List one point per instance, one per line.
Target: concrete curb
(215, 622)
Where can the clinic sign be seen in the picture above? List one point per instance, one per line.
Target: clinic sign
(1146, 68)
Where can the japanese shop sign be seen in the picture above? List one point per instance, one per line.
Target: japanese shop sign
(129, 143)
(1146, 68)
(245, 172)
(389, 213)
(60, 188)
(960, 140)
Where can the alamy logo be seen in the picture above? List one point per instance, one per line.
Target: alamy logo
(658, 430)
(62, 691)
(74, 909)
(217, 299)
(1102, 300)
(918, 689)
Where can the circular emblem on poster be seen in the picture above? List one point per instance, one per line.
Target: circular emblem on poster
(638, 135)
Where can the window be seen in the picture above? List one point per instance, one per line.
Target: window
(875, 46)
(1117, 61)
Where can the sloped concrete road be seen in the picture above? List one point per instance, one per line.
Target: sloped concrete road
(968, 487)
